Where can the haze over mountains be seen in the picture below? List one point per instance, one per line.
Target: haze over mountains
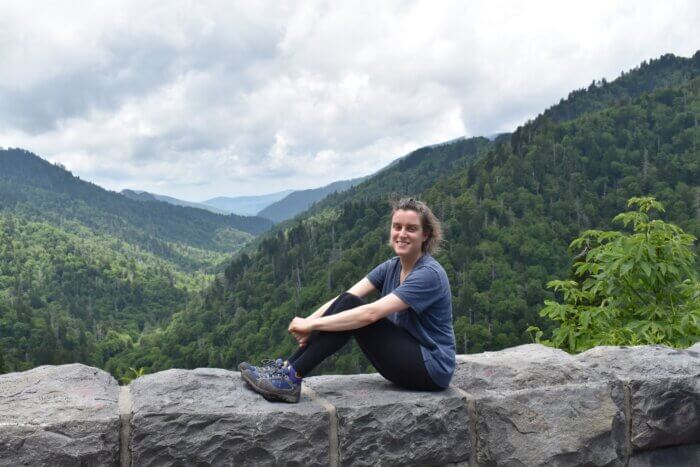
(122, 283)
(249, 205)
(277, 207)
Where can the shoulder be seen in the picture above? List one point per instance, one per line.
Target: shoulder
(431, 267)
(390, 263)
(430, 263)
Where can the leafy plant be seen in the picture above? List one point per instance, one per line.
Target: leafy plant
(629, 288)
(132, 375)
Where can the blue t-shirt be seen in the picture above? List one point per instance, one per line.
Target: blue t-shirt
(426, 290)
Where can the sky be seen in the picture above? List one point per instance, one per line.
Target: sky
(197, 99)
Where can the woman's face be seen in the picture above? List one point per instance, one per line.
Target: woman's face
(407, 235)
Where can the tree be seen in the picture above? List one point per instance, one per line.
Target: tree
(629, 288)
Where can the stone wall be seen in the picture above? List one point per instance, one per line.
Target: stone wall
(528, 405)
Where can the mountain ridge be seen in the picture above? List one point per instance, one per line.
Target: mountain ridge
(300, 200)
(38, 190)
(148, 196)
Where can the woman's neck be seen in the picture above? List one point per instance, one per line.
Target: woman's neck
(407, 263)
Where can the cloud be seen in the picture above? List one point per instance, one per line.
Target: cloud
(227, 98)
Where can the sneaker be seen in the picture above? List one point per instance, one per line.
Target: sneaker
(267, 365)
(275, 385)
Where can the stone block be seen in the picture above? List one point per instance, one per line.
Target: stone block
(560, 425)
(665, 412)
(210, 417)
(380, 423)
(59, 416)
(664, 391)
(676, 456)
(640, 362)
(524, 367)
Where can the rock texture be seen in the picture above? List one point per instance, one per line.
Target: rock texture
(525, 406)
(523, 367)
(59, 416)
(209, 417)
(560, 425)
(677, 456)
(382, 424)
(663, 390)
(539, 406)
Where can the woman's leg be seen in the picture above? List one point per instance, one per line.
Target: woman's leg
(322, 344)
(395, 354)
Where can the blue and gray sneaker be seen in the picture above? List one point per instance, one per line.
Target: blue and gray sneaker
(275, 385)
(267, 365)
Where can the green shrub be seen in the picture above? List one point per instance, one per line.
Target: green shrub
(628, 288)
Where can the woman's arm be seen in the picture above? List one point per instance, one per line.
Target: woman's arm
(361, 289)
(355, 318)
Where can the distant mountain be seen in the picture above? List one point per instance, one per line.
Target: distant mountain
(39, 191)
(146, 196)
(299, 201)
(414, 172)
(245, 205)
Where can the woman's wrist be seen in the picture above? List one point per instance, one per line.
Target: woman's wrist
(313, 324)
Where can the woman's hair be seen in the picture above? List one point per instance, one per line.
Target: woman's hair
(429, 223)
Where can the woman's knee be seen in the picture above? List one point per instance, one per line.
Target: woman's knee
(345, 301)
(351, 299)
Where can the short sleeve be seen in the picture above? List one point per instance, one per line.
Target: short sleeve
(377, 276)
(421, 289)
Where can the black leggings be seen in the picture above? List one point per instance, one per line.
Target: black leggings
(394, 352)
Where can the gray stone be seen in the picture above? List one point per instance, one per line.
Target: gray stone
(59, 416)
(380, 423)
(665, 412)
(210, 417)
(695, 348)
(560, 425)
(676, 456)
(524, 367)
(640, 362)
(664, 391)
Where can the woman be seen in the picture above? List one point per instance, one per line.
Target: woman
(406, 334)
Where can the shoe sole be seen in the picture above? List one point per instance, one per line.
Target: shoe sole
(270, 396)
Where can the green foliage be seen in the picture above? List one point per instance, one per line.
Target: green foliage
(2, 363)
(509, 216)
(629, 288)
(133, 374)
(298, 201)
(34, 189)
(663, 72)
(73, 295)
(509, 207)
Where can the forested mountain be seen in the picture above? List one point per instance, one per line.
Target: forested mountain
(70, 295)
(146, 196)
(84, 271)
(298, 201)
(663, 72)
(414, 172)
(246, 205)
(510, 209)
(40, 191)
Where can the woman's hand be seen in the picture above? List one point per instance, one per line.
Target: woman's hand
(300, 328)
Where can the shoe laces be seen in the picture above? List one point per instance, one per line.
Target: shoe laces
(269, 364)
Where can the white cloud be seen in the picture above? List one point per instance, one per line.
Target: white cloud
(219, 98)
